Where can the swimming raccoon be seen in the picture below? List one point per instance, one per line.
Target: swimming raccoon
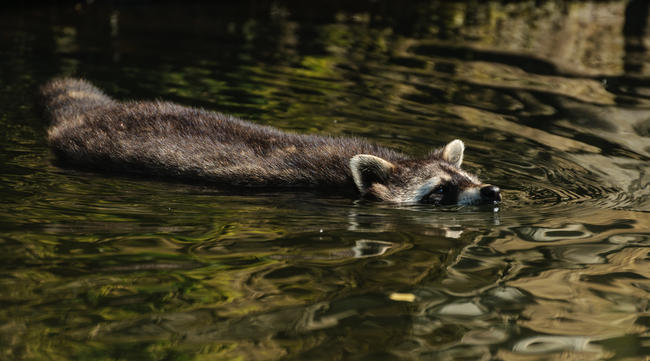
(91, 130)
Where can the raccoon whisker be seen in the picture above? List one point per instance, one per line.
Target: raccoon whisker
(469, 196)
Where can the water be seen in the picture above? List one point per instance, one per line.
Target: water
(551, 99)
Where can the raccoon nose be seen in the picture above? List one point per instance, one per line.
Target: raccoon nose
(491, 194)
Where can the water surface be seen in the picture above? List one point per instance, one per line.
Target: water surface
(551, 98)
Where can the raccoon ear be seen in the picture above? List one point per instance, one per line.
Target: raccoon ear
(453, 152)
(368, 169)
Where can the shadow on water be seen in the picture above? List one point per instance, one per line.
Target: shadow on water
(551, 99)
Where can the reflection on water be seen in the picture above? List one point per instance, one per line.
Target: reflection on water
(550, 97)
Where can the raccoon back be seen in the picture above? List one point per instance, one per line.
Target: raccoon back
(91, 130)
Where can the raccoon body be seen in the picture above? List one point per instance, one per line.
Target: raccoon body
(91, 130)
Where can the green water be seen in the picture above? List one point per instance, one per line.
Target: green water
(551, 98)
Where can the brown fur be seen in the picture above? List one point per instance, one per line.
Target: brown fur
(89, 129)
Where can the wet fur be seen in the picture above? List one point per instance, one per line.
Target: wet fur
(91, 130)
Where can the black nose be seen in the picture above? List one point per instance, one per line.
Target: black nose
(491, 194)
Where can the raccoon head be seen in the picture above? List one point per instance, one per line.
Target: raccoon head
(436, 180)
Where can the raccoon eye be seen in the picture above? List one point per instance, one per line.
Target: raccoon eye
(435, 196)
(437, 193)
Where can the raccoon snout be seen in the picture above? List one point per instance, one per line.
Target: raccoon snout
(491, 194)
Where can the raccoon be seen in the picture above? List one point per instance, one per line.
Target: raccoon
(91, 130)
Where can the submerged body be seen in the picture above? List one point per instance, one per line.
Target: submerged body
(91, 130)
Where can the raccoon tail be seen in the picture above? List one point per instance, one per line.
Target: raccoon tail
(65, 98)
